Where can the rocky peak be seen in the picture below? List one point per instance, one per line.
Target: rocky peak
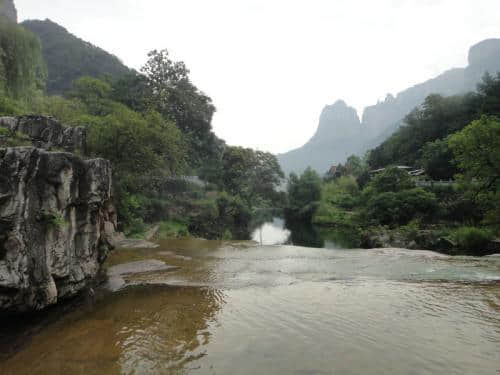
(8, 10)
(337, 121)
(486, 50)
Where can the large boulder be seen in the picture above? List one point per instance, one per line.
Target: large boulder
(56, 213)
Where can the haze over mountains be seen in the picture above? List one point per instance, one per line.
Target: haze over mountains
(340, 132)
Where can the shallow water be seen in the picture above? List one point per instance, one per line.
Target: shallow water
(238, 308)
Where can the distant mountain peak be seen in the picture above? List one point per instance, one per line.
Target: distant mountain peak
(487, 49)
(8, 10)
(341, 134)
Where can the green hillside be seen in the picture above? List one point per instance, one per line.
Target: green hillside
(69, 57)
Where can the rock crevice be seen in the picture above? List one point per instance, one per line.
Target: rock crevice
(56, 216)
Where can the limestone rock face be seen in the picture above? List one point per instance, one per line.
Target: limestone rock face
(8, 10)
(56, 215)
(339, 135)
(47, 132)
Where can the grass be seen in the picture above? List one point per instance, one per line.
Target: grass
(172, 229)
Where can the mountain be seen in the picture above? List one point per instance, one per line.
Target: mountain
(332, 146)
(8, 10)
(68, 57)
(339, 132)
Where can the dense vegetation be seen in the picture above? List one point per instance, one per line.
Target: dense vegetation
(452, 138)
(421, 141)
(22, 69)
(69, 58)
(155, 128)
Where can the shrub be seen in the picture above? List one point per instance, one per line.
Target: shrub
(472, 239)
(391, 208)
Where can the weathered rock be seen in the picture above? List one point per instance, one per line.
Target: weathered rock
(54, 207)
(47, 132)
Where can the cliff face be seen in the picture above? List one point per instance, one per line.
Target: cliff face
(56, 216)
(385, 117)
(8, 10)
(339, 132)
(47, 132)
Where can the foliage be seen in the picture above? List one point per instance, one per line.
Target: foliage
(225, 217)
(477, 151)
(391, 180)
(52, 220)
(169, 91)
(252, 175)
(435, 120)
(69, 58)
(437, 160)
(472, 239)
(172, 229)
(13, 139)
(22, 70)
(304, 194)
(398, 208)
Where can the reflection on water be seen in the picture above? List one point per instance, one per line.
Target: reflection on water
(278, 231)
(272, 233)
(236, 308)
(151, 329)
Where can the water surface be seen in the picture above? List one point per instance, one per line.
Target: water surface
(238, 308)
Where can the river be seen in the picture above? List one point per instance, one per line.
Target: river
(243, 308)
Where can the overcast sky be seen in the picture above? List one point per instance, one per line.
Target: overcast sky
(270, 66)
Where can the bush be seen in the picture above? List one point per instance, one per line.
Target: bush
(391, 208)
(472, 239)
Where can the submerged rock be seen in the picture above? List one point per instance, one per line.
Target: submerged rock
(54, 208)
(117, 274)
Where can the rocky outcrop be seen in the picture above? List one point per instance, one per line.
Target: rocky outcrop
(8, 10)
(47, 132)
(338, 136)
(56, 215)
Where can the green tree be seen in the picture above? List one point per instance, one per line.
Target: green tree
(477, 151)
(437, 160)
(391, 180)
(253, 175)
(398, 208)
(22, 69)
(171, 93)
(304, 194)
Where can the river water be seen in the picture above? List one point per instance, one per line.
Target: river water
(242, 308)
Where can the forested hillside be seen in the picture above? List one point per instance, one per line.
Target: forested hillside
(68, 57)
(421, 141)
(154, 126)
